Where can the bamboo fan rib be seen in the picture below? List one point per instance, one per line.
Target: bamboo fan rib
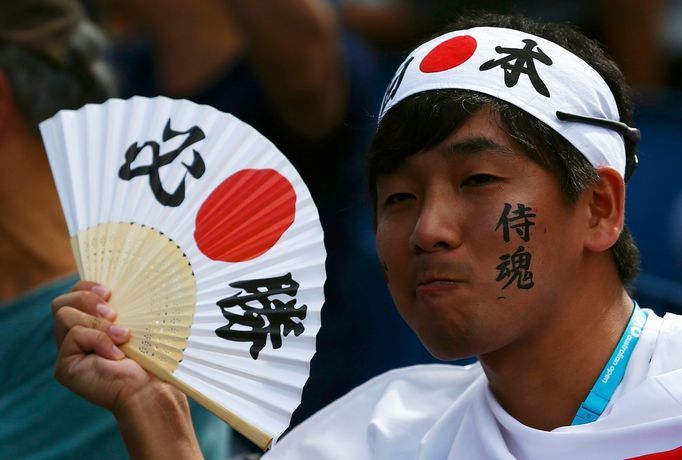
(153, 285)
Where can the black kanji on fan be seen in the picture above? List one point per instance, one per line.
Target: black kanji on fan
(518, 61)
(196, 169)
(266, 307)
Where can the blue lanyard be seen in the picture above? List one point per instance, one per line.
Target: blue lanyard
(613, 372)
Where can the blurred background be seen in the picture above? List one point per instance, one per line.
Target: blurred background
(310, 75)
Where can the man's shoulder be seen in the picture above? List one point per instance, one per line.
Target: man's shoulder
(426, 376)
(419, 385)
(666, 354)
(672, 322)
(390, 412)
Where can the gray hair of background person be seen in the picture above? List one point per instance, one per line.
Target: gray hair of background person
(52, 57)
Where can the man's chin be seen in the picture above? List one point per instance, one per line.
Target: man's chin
(448, 350)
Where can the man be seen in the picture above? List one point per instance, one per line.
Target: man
(497, 173)
(49, 60)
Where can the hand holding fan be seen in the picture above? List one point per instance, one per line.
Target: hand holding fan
(210, 242)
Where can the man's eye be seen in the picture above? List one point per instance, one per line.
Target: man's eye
(396, 198)
(478, 179)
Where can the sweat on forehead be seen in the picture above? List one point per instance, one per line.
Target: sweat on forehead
(530, 72)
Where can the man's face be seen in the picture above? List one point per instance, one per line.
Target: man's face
(476, 241)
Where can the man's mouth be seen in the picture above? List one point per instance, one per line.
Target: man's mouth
(431, 284)
(435, 279)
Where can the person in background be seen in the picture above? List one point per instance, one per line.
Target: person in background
(50, 59)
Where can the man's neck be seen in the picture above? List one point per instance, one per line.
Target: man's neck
(34, 241)
(543, 380)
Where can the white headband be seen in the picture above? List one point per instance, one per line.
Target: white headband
(527, 71)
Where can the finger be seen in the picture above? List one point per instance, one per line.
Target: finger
(97, 288)
(82, 340)
(67, 318)
(85, 301)
(78, 361)
(90, 364)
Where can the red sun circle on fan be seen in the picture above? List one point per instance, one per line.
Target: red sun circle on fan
(245, 215)
(449, 54)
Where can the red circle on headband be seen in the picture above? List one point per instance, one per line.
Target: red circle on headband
(449, 54)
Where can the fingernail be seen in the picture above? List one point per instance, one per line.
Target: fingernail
(104, 311)
(118, 332)
(100, 290)
(118, 354)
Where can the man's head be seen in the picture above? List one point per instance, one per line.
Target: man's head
(50, 58)
(420, 121)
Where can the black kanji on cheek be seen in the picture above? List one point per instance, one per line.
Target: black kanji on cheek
(519, 219)
(520, 61)
(516, 267)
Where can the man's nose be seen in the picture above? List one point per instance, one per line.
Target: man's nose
(438, 226)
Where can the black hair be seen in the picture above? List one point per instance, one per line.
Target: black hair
(41, 87)
(434, 115)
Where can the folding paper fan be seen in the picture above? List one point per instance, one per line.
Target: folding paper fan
(210, 242)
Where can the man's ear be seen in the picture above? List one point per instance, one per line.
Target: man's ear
(606, 201)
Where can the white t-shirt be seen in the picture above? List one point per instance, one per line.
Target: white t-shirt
(433, 412)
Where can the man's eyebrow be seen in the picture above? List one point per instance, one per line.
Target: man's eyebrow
(476, 145)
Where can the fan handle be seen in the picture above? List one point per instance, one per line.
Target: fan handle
(251, 432)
